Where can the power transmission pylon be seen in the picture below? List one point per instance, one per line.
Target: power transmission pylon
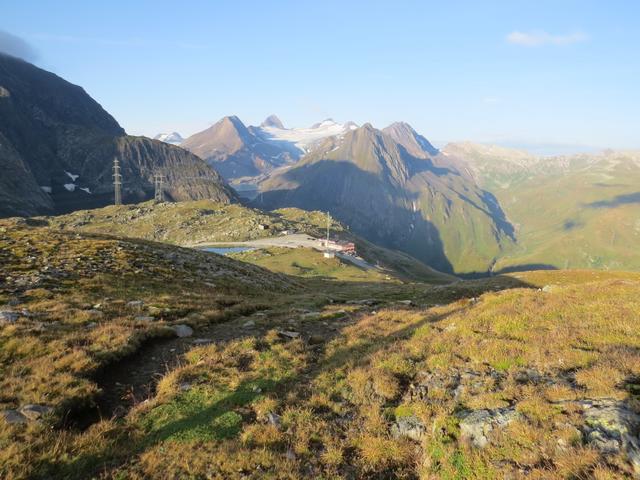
(158, 180)
(117, 182)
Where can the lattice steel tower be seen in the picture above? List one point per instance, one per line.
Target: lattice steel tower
(117, 182)
(158, 181)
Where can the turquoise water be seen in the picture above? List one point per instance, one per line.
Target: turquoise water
(227, 250)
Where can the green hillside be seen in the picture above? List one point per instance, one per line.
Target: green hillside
(203, 222)
(568, 212)
(124, 358)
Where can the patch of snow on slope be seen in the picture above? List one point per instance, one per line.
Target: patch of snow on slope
(71, 176)
(71, 187)
(85, 189)
(173, 138)
(45, 189)
(303, 138)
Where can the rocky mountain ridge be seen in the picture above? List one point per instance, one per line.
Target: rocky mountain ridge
(57, 146)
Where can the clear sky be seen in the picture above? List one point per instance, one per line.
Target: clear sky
(512, 72)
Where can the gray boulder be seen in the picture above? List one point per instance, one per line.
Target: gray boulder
(612, 427)
(13, 417)
(477, 425)
(36, 412)
(410, 427)
(135, 304)
(183, 330)
(8, 316)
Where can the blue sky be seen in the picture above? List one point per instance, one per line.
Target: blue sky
(512, 72)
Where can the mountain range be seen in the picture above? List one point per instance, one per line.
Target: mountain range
(239, 152)
(57, 147)
(394, 188)
(467, 209)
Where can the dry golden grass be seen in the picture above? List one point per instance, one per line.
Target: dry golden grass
(265, 406)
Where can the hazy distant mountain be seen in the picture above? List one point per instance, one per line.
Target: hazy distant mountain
(57, 147)
(272, 121)
(393, 191)
(173, 138)
(238, 151)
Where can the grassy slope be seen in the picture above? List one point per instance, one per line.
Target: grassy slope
(199, 222)
(337, 390)
(309, 263)
(559, 225)
(569, 212)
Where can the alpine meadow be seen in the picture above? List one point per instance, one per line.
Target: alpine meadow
(425, 265)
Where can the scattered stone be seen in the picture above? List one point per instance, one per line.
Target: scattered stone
(95, 313)
(411, 427)
(310, 315)
(256, 389)
(408, 303)
(202, 341)
(184, 386)
(290, 455)
(135, 304)
(366, 301)
(183, 330)
(144, 318)
(8, 316)
(97, 306)
(273, 419)
(249, 324)
(532, 376)
(477, 425)
(547, 288)
(612, 427)
(13, 417)
(91, 325)
(35, 412)
(288, 334)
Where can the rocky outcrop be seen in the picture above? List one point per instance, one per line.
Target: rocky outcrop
(476, 426)
(613, 428)
(410, 427)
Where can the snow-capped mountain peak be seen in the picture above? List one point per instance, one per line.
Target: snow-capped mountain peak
(173, 138)
(304, 138)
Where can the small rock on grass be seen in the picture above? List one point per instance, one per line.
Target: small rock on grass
(410, 427)
(273, 419)
(476, 425)
(13, 417)
(289, 334)
(249, 324)
(144, 318)
(35, 412)
(408, 303)
(183, 330)
(95, 313)
(8, 316)
(135, 304)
